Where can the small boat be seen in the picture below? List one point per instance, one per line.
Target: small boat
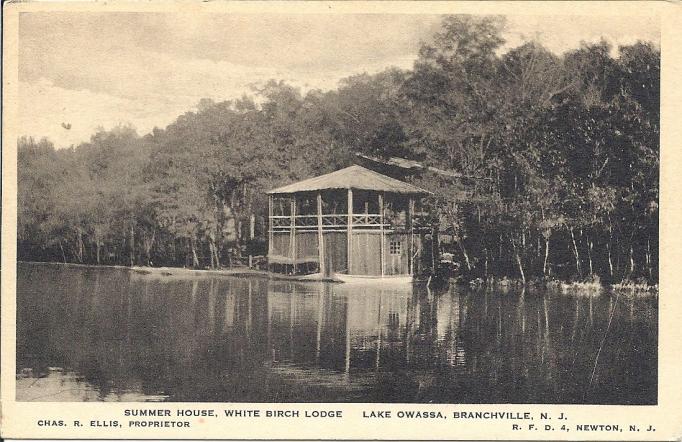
(367, 279)
(307, 277)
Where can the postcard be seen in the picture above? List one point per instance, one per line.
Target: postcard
(341, 220)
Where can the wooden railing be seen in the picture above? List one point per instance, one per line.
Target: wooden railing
(338, 222)
(329, 222)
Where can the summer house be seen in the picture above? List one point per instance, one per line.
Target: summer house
(350, 222)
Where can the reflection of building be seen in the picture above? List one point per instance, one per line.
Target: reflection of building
(351, 328)
(352, 221)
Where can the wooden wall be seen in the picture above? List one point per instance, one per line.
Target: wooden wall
(366, 251)
(396, 264)
(280, 244)
(335, 252)
(366, 259)
(306, 246)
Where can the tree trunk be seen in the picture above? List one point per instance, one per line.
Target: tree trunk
(590, 246)
(132, 245)
(576, 253)
(148, 244)
(195, 259)
(538, 247)
(544, 264)
(97, 245)
(648, 258)
(62, 249)
(238, 236)
(217, 255)
(79, 245)
(517, 256)
(518, 261)
(485, 266)
(174, 252)
(608, 251)
(632, 261)
(465, 254)
(619, 252)
(433, 250)
(188, 253)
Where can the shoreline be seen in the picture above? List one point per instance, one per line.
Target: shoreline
(170, 272)
(588, 287)
(631, 287)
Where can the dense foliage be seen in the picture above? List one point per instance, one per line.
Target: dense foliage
(552, 161)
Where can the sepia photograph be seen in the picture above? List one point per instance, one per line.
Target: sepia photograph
(414, 208)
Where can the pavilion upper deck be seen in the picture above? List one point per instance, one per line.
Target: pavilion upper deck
(339, 222)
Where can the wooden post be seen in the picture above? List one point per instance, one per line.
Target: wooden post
(320, 318)
(381, 232)
(320, 235)
(270, 229)
(350, 230)
(270, 347)
(410, 216)
(292, 235)
(347, 367)
(291, 320)
(249, 318)
(378, 359)
(252, 234)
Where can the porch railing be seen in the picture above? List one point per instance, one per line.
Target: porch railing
(339, 222)
(329, 222)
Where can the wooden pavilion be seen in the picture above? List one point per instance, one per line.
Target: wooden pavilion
(350, 222)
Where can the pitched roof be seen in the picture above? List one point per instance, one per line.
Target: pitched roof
(412, 165)
(353, 177)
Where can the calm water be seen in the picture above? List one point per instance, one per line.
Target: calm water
(103, 334)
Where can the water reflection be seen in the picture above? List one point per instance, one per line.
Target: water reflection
(103, 334)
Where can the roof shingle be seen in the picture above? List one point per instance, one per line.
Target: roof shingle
(353, 177)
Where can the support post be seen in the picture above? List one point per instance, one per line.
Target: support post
(320, 319)
(378, 358)
(252, 234)
(347, 361)
(270, 229)
(320, 235)
(292, 235)
(382, 252)
(350, 230)
(410, 217)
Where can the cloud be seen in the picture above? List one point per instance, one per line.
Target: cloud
(145, 88)
(150, 94)
(562, 33)
(43, 107)
(129, 54)
(102, 69)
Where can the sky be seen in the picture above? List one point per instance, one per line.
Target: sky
(97, 70)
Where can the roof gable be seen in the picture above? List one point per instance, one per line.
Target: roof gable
(353, 177)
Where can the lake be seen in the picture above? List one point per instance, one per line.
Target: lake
(103, 334)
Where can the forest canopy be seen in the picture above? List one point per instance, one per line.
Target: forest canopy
(554, 161)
